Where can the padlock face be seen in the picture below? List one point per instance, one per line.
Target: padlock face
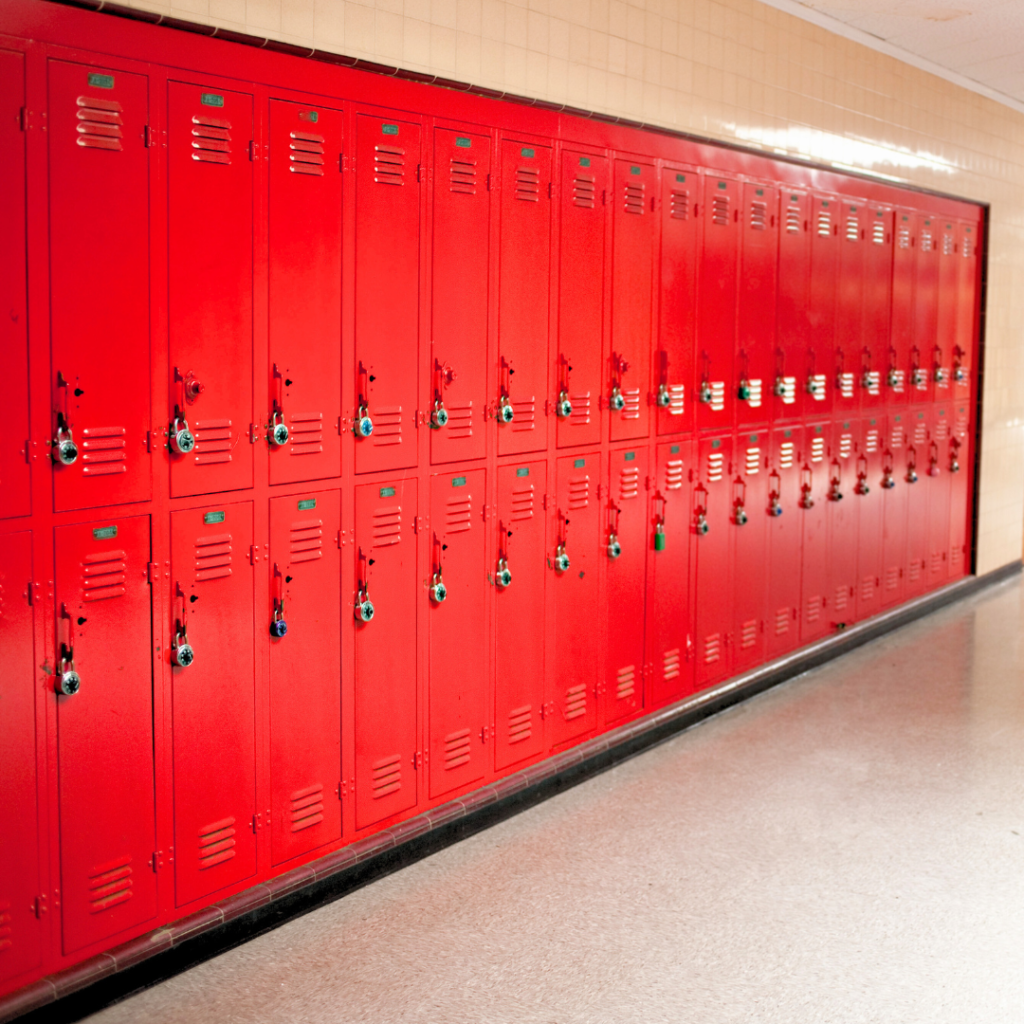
(506, 413)
(664, 398)
(812, 387)
(67, 452)
(183, 655)
(659, 540)
(562, 562)
(892, 379)
(888, 483)
(182, 441)
(504, 578)
(780, 388)
(954, 466)
(564, 406)
(364, 611)
(705, 393)
(618, 403)
(279, 435)
(741, 517)
(70, 683)
(912, 477)
(438, 592)
(278, 628)
(439, 417)
(614, 548)
(775, 509)
(364, 426)
(744, 391)
(702, 525)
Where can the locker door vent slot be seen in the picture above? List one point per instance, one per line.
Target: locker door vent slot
(99, 123)
(306, 154)
(387, 526)
(846, 385)
(520, 724)
(793, 220)
(756, 386)
(814, 606)
(307, 538)
(389, 165)
(903, 237)
(462, 177)
(892, 578)
(306, 433)
(625, 683)
(787, 455)
(670, 664)
(213, 441)
(942, 431)
(968, 246)
(629, 483)
(579, 492)
(525, 414)
(211, 140)
(575, 702)
(679, 207)
(788, 395)
(307, 807)
(213, 557)
(948, 247)
(758, 215)
(720, 210)
(920, 432)
(716, 467)
(712, 648)
(580, 415)
(387, 425)
(456, 749)
(955, 556)
(818, 380)
(460, 420)
(852, 229)
(631, 410)
(845, 446)
(216, 843)
(782, 617)
(528, 184)
(841, 599)
(935, 564)
(103, 451)
(633, 198)
(110, 884)
(753, 461)
(676, 399)
(914, 572)
(674, 475)
(522, 503)
(748, 634)
(867, 588)
(817, 449)
(103, 575)
(927, 241)
(824, 223)
(896, 441)
(583, 191)
(387, 776)
(717, 402)
(459, 514)
(871, 442)
(878, 233)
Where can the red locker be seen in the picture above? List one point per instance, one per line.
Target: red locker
(926, 310)
(303, 630)
(627, 530)
(965, 342)
(213, 699)
(574, 549)
(210, 237)
(387, 272)
(714, 528)
(15, 475)
(460, 265)
(670, 619)
(581, 282)
(894, 509)
(104, 681)
(785, 537)
(750, 488)
(850, 301)
(843, 511)
(792, 327)
(815, 479)
(519, 580)
(716, 303)
(939, 495)
(940, 363)
(916, 476)
(898, 384)
(866, 490)
(21, 929)
(755, 327)
(304, 375)
(99, 286)
(960, 465)
(878, 270)
(457, 621)
(385, 601)
(819, 345)
(634, 237)
(523, 285)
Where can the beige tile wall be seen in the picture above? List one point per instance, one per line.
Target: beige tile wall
(735, 70)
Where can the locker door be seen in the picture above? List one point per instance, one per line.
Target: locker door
(581, 283)
(867, 492)
(105, 731)
(99, 284)
(305, 720)
(894, 509)
(304, 372)
(15, 476)
(750, 540)
(960, 464)
(627, 531)
(755, 351)
(524, 273)
(878, 254)
(713, 564)
(849, 317)
(843, 509)
(20, 929)
(677, 305)
(901, 334)
(785, 532)
(519, 646)
(716, 303)
(966, 313)
(457, 625)
(670, 639)
(386, 711)
(814, 551)
(940, 363)
(634, 229)
(926, 310)
(574, 548)
(792, 324)
(213, 698)
(915, 470)
(819, 358)
(940, 482)
(210, 238)
(460, 260)
(387, 271)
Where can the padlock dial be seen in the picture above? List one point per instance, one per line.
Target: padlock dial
(562, 562)
(279, 434)
(278, 628)
(564, 406)
(183, 655)
(504, 577)
(67, 452)
(438, 591)
(505, 411)
(182, 441)
(617, 402)
(664, 398)
(364, 610)
(363, 425)
(614, 547)
(69, 683)
(439, 416)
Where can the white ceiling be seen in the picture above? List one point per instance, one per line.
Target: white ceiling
(978, 43)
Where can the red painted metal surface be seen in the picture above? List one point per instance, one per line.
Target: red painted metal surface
(815, 476)
(749, 501)
(966, 342)
(959, 463)
(785, 537)
(843, 515)
(853, 224)
(917, 482)
(927, 241)
(792, 332)
(937, 468)
(878, 275)
(818, 380)
(943, 354)
(899, 372)
(868, 493)
(894, 508)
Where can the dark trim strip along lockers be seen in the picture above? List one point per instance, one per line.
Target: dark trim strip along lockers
(677, 393)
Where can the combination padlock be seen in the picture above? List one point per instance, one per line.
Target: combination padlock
(564, 407)
(867, 380)
(68, 681)
(774, 505)
(65, 451)
(834, 494)
(779, 388)
(438, 415)
(664, 398)
(363, 425)
(278, 433)
(704, 394)
(806, 501)
(918, 377)
(181, 650)
(278, 626)
(939, 375)
(959, 374)
(503, 577)
(659, 536)
(561, 559)
(933, 468)
(506, 414)
(954, 464)
(892, 378)
(616, 402)
(181, 439)
(614, 547)
(438, 591)
(812, 386)
(911, 474)
(701, 526)
(364, 609)
(888, 481)
(740, 516)
(862, 485)
(743, 392)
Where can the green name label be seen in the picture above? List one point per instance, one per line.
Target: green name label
(458, 481)
(674, 450)
(680, 177)
(760, 191)
(753, 438)
(824, 202)
(846, 426)
(794, 199)
(389, 129)
(580, 463)
(528, 153)
(523, 471)
(634, 170)
(309, 115)
(629, 456)
(463, 142)
(214, 517)
(584, 161)
(853, 209)
(104, 532)
(307, 503)
(789, 433)
(211, 99)
(942, 412)
(817, 430)
(101, 81)
(898, 418)
(716, 443)
(906, 218)
(722, 184)
(387, 492)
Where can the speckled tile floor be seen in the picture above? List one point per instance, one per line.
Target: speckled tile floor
(845, 849)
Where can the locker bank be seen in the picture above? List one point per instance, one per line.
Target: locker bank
(372, 442)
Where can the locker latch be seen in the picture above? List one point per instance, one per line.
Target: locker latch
(954, 460)
(806, 501)
(182, 654)
(564, 407)
(959, 373)
(701, 525)
(503, 576)
(614, 545)
(616, 400)
(933, 460)
(277, 429)
(68, 681)
(664, 397)
(562, 562)
(278, 625)
(364, 610)
(505, 414)
(444, 375)
(743, 392)
(438, 591)
(774, 494)
(362, 425)
(911, 477)
(892, 378)
(65, 451)
(888, 479)
(739, 511)
(835, 482)
(861, 487)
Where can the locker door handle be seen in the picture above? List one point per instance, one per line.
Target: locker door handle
(65, 451)
(68, 681)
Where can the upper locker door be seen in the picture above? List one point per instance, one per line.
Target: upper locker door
(716, 303)
(926, 310)
(819, 347)
(213, 700)
(940, 363)
(15, 474)
(869, 495)
(305, 722)
(843, 511)
(387, 272)
(792, 327)
(105, 729)
(878, 253)
(785, 540)
(960, 469)
(519, 576)
(901, 323)
(457, 624)
(755, 318)
(814, 549)
(20, 928)
(460, 265)
(894, 508)
(848, 359)
(210, 265)
(524, 276)
(304, 372)
(750, 548)
(677, 311)
(581, 284)
(965, 344)
(99, 286)
(634, 233)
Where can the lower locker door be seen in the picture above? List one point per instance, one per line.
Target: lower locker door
(213, 700)
(894, 509)
(870, 499)
(917, 481)
(305, 672)
(939, 494)
(813, 512)
(785, 539)
(519, 576)
(384, 596)
(457, 624)
(750, 538)
(842, 528)
(105, 730)
(959, 466)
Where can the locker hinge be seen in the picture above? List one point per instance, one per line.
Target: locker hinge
(419, 173)
(420, 418)
(148, 134)
(488, 183)
(486, 510)
(27, 452)
(417, 760)
(253, 433)
(257, 821)
(647, 483)
(604, 197)
(254, 150)
(157, 860)
(484, 732)
(28, 119)
(549, 502)
(420, 524)
(551, 189)
(153, 571)
(39, 905)
(602, 491)
(254, 554)
(35, 596)
(339, 427)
